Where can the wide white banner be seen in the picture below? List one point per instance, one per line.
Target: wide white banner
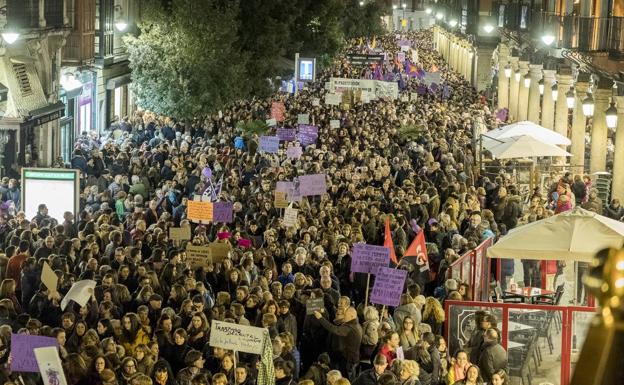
(375, 88)
(236, 337)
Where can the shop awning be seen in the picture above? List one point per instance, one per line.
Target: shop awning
(44, 115)
(118, 81)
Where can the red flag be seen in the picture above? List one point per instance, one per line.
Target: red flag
(418, 249)
(388, 241)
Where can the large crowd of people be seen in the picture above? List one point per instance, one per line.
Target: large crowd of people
(149, 318)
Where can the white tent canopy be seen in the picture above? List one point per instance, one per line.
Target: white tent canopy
(524, 146)
(575, 235)
(536, 131)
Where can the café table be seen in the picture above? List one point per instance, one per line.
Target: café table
(529, 294)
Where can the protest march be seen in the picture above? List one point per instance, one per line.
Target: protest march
(313, 253)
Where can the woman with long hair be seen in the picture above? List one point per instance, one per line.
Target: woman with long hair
(144, 359)
(500, 378)
(74, 342)
(473, 377)
(408, 333)
(458, 368)
(227, 367)
(75, 370)
(422, 357)
(132, 333)
(198, 330)
(433, 315)
(7, 291)
(406, 371)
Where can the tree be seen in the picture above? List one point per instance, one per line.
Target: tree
(186, 62)
(362, 20)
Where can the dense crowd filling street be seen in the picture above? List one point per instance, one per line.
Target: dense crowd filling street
(395, 169)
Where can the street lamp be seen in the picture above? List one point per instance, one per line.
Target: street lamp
(121, 25)
(540, 84)
(517, 75)
(428, 11)
(361, 3)
(612, 116)
(507, 71)
(548, 38)
(527, 80)
(439, 15)
(555, 92)
(394, 6)
(488, 28)
(10, 37)
(570, 99)
(404, 5)
(588, 106)
(453, 23)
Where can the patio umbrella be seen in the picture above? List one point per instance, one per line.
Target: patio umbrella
(575, 235)
(524, 146)
(527, 128)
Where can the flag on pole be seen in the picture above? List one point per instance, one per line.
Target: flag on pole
(418, 249)
(374, 43)
(388, 241)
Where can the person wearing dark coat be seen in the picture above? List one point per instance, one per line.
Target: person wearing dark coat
(493, 356)
(371, 376)
(614, 210)
(349, 335)
(318, 371)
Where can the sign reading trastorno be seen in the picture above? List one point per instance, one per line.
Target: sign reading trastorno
(236, 337)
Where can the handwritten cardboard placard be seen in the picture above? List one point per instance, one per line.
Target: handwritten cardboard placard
(367, 258)
(303, 119)
(271, 122)
(294, 152)
(22, 351)
(401, 57)
(80, 292)
(269, 144)
(49, 277)
(219, 251)
(290, 217)
(335, 123)
(280, 200)
(223, 212)
(180, 233)
(198, 256)
(388, 286)
(316, 102)
(313, 184)
(240, 338)
(50, 366)
(277, 111)
(286, 134)
(314, 304)
(199, 211)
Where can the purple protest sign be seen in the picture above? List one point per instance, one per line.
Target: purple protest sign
(222, 212)
(284, 186)
(307, 134)
(502, 114)
(294, 152)
(286, 134)
(22, 353)
(388, 286)
(313, 184)
(269, 144)
(292, 194)
(367, 258)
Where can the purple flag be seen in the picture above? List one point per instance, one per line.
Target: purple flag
(222, 212)
(388, 286)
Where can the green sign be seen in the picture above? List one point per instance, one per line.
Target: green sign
(50, 175)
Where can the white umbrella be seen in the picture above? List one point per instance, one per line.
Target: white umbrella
(524, 146)
(527, 128)
(575, 235)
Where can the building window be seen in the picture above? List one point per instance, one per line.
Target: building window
(118, 99)
(104, 33)
(85, 117)
(501, 16)
(524, 15)
(22, 78)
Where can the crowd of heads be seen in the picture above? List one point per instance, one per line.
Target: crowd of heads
(149, 318)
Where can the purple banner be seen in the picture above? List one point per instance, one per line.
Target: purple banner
(269, 144)
(313, 184)
(287, 134)
(307, 134)
(388, 286)
(22, 353)
(222, 212)
(368, 258)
